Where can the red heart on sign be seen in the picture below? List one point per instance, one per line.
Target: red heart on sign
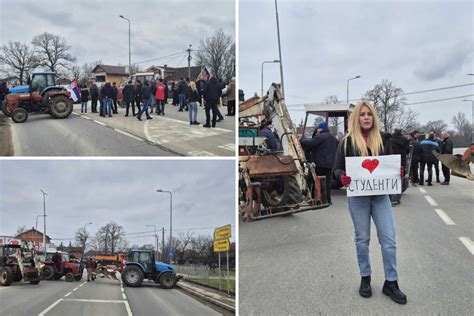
(370, 164)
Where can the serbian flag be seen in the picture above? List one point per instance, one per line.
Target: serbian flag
(75, 94)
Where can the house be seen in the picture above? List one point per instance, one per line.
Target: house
(175, 74)
(108, 73)
(33, 235)
(12, 81)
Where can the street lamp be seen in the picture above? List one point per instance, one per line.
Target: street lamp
(156, 237)
(267, 62)
(129, 49)
(84, 246)
(36, 228)
(171, 216)
(356, 77)
(44, 220)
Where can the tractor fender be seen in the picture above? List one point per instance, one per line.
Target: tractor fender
(52, 90)
(168, 271)
(136, 264)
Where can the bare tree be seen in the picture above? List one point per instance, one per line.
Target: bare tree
(435, 126)
(81, 237)
(218, 54)
(116, 237)
(183, 243)
(389, 103)
(462, 124)
(18, 58)
(202, 245)
(53, 51)
(407, 120)
(20, 230)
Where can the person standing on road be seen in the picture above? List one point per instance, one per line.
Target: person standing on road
(84, 99)
(192, 99)
(145, 93)
(212, 93)
(138, 94)
(107, 94)
(231, 97)
(94, 93)
(364, 139)
(89, 269)
(114, 97)
(436, 164)
(399, 145)
(128, 97)
(322, 148)
(446, 148)
(427, 157)
(161, 96)
(414, 145)
(182, 87)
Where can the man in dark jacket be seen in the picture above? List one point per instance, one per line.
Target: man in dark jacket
(267, 132)
(182, 87)
(107, 94)
(427, 157)
(212, 93)
(146, 94)
(94, 92)
(114, 97)
(128, 97)
(399, 145)
(138, 94)
(446, 148)
(414, 146)
(323, 148)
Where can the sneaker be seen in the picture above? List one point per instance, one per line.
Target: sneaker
(139, 118)
(365, 290)
(430, 184)
(196, 123)
(445, 183)
(206, 125)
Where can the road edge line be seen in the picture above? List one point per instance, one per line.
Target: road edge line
(207, 298)
(468, 243)
(50, 307)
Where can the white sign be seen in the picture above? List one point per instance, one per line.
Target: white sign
(375, 175)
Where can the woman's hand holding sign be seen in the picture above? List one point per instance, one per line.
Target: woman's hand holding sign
(345, 180)
(402, 172)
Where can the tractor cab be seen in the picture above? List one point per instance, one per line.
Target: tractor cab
(335, 115)
(143, 258)
(42, 80)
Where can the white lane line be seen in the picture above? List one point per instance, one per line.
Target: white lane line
(200, 153)
(100, 123)
(68, 294)
(422, 190)
(127, 306)
(86, 117)
(75, 289)
(468, 243)
(230, 146)
(50, 307)
(93, 301)
(446, 219)
(124, 296)
(430, 200)
(128, 134)
(76, 113)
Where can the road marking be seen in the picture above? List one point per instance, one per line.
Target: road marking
(50, 307)
(68, 294)
(430, 200)
(100, 123)
(76, 113)
(124, 296)
(200, 153)
(468, 243)
(230, 146)
(86, 117)
(422, 190)
(75, 289)
(127, 306)
(446, 219)
(128, 134)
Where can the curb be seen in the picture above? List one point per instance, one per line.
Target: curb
(207, 298)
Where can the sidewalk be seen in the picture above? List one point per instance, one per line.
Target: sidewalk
(173, 131)
(213, 296)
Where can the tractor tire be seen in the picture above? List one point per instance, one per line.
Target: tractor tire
(5, 109)
(77, 277)
(47, 273)
(60, 106)
(167, 280)
(6, 276)
(132, 276)
(285, 191)
(19, 115)
(35, 281)
(69, 277)
(17, 276)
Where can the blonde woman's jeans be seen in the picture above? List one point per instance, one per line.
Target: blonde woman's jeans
(377, 207)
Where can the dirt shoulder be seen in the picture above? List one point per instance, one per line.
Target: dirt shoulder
(6, 145)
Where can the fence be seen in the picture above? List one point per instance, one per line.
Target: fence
(209, 277)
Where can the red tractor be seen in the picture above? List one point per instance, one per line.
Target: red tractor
(17, 265)
(41, 95)
(58, 265)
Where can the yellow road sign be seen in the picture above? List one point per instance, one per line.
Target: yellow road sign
(221, 245)
(223, 232)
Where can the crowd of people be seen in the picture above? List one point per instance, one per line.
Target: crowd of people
(152, 97)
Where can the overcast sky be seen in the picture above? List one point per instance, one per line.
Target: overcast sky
(418, 45)
(95, 31)
(98, 191)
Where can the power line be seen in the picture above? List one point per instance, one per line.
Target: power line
(437, 89)
(181, 61)
(460, 97)
(146, 61)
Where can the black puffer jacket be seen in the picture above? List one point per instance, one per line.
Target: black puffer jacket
(399, 146)
(416, 152)
(427, 147)
(447, 146)
(212, 91)
(323, 149)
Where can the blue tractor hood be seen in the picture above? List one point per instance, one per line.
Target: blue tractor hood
(19, 89)
(161, 267)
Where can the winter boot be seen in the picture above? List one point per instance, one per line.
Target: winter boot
(390, 288)
(365, 290)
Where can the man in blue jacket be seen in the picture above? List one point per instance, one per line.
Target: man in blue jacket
(427, 158)
(323, 147)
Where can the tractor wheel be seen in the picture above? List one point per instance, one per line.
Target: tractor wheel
(17, 276)
(284, 191)
(6, 276)
(60, 106)
(19, 115)
(5, 109)
(35, 280)
(48, 273)
(132, 276)
(168, 280)
(77, 277)
(69, 277)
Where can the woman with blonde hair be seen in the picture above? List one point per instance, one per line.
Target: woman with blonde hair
(364, 139)
(192, 98)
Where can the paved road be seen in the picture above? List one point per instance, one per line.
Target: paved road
(102, 297)
(43, 136)
(306, 263)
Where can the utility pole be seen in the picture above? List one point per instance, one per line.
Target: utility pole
(162, 242)
(279, 50)
(189, 61)
(44, 221)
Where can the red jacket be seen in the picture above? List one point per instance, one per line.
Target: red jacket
(160, 91)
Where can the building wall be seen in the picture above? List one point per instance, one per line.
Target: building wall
(115, 78)
(30, 235)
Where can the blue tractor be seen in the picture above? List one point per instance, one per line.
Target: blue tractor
(140, 264)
